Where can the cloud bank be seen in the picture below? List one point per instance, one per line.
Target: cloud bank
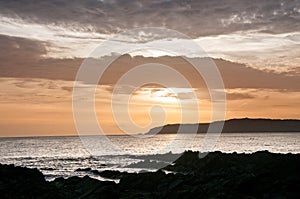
(194, 18)
(23, 58)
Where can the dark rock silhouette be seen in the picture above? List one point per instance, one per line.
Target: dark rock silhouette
(111, 174)
(216, 175)
(83, 169)
(19, 182)
(234, 126)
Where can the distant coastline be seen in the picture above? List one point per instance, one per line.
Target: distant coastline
(243, 125)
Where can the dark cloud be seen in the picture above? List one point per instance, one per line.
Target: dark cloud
(14, 49)
(67, 88)
(185, 95)
(237, 75)
(239, 96)
(192, 17)
(22, 58)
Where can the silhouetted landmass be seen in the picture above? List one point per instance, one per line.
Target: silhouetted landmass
(217, 175)
(233, 126)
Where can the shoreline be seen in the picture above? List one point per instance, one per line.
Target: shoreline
(217, 175)
(240, 125)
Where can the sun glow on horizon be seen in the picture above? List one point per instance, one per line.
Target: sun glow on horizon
(151, 49)
(164, 95)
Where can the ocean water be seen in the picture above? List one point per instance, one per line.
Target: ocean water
(61, 156)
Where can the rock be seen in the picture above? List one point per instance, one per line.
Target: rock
(96, 172)
(142, 181)
(47, 169)
(83, 169)
(111, 174)
(86, 187)
(19, 182)
(217, 175)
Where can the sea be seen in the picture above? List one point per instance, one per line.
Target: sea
(63, 156)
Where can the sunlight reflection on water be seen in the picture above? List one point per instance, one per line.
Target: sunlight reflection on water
(61, 156)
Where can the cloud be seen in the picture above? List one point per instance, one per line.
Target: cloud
(62, 41)
(237, 75)
(20, 50)
(257, 32)
(23, 58)
(239, 96)
(200, 18)
(263, 50)
(34, 91)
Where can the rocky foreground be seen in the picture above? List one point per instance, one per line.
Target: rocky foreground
(217, 175)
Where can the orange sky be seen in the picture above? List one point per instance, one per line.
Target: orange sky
(255, 46)
(35, 106)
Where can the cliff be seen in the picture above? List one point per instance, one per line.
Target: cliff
(244, 125)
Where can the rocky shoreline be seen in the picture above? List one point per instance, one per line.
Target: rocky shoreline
(217, 175)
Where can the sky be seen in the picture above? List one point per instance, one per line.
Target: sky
(254, 44)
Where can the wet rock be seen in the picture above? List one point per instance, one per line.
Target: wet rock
(19, 182)
(142, 181)
(47, 169)
(111, 174)
(83, 169)
(217, 175)
(86, 187)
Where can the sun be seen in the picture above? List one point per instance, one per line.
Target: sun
(164, 95)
